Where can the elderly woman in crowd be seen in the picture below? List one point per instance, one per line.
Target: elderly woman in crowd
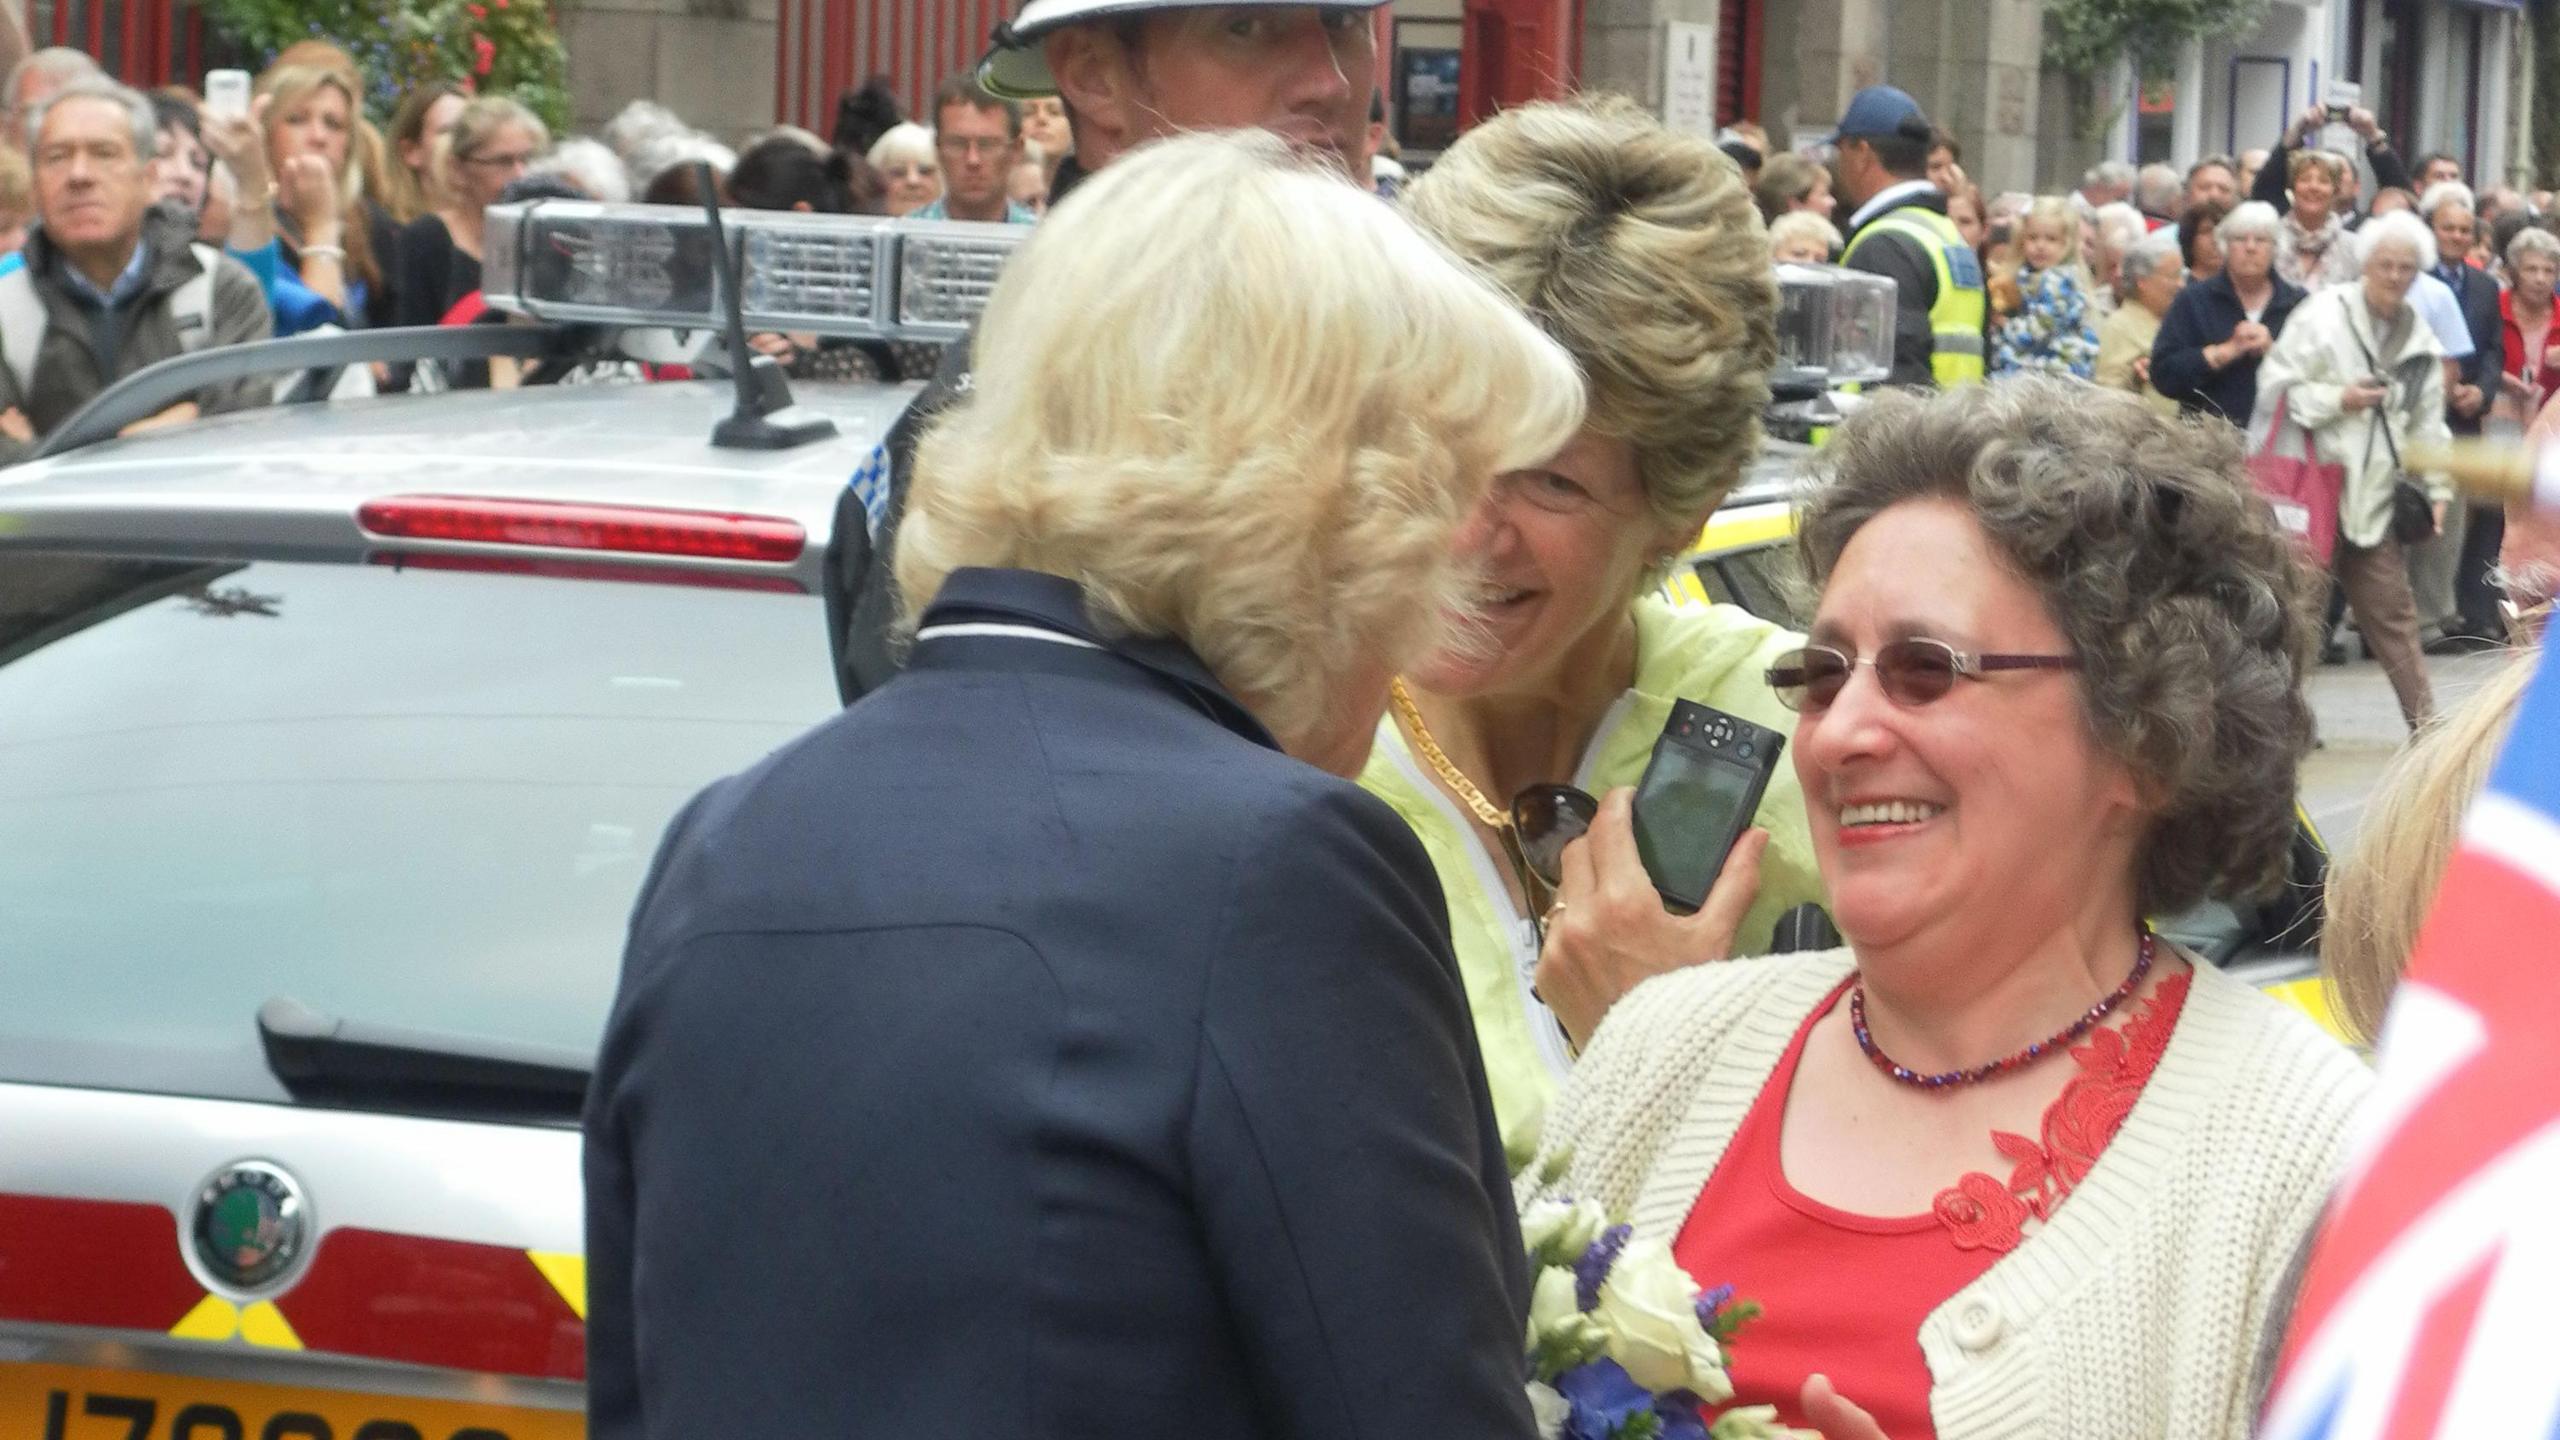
(906, 159)
(2009, 1163)
(1216, 1156)
(2311, 248)
(2532, 365)
(2148, 281)
(1802, 238)
(1635, 246)
(1788, 183)
(2116, 228)
(2363, 372)
(2218, 331)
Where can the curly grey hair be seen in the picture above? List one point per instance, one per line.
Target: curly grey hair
(2194, 620)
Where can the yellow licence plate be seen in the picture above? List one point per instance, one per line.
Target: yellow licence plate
(64, 1402)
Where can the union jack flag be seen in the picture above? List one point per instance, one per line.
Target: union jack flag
(2432, 1304)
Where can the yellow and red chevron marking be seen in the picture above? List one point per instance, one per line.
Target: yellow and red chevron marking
(490, 1309)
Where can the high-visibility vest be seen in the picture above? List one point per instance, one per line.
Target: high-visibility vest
(1956, 319)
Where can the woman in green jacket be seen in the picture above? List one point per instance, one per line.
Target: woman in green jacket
(1638, 249)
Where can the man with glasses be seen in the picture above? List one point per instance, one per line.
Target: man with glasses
(979, 138)
(1128, 71)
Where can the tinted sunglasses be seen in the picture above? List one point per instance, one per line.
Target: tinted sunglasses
(1913, 672)
(1544, 820)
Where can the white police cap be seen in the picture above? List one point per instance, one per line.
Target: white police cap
(1015, 69)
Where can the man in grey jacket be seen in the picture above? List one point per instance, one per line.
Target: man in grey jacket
(111, 285)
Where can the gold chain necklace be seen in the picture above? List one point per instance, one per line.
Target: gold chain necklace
(1438, 759)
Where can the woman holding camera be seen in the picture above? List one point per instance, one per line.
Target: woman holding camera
(2362, 371)
(2009, 1164)
(1636, 248)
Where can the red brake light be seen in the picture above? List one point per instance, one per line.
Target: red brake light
(624, 529)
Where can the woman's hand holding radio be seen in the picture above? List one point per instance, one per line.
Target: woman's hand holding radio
(1608, 930)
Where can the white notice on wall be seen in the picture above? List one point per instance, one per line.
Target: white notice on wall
(1689, 77)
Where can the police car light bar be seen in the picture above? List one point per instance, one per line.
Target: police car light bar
(868, 277)
(651, 265)
(1835, 327)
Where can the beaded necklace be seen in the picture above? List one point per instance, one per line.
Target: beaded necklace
(1952, 1079)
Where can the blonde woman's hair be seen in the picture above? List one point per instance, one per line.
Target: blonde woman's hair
(2380, 894)
(1800, 225)
(2056, 211)
(17, 185)
(1638, 248)
(289, 85)
(1240, 403)
(486, 115)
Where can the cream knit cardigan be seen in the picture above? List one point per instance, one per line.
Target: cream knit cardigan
(2136, 1312)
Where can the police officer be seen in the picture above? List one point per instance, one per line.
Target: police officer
(1900, 230)
(1129, 71)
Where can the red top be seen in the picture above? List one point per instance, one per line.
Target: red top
(1843, 1295)
(2543, 369)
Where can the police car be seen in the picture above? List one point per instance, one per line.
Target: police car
(334, 742)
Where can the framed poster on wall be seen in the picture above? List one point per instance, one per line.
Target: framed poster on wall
(1426, 113)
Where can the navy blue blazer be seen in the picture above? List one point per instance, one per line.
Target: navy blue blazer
(2477, 294)
(1033, 1050)
(2205, 313)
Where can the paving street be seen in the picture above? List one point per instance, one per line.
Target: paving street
(2360, 731)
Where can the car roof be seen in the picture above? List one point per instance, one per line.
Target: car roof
(289, 479)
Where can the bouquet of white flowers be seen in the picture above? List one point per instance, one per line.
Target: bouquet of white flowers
(1622, 1343)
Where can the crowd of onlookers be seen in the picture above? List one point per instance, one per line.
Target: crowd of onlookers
(2272, 290)
(333, 221)
(2266, 289)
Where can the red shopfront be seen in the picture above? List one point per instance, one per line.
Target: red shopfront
(141, 42)
(1509, 52)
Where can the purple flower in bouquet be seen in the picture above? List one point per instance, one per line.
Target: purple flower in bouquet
(1592, 1270)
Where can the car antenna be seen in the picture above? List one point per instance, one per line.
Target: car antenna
(766, 417)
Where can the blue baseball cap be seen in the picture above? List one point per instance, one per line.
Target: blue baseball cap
(1881, 110)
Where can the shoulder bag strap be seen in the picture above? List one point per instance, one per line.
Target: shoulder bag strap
(23, 322)
(2381, 424)
(195, 297)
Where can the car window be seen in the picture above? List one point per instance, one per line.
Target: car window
(1766, 581)
(416, 797)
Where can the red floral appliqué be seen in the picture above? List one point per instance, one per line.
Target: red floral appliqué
(1981, 1213)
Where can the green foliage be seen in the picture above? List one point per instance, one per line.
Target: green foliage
(1642, 1425)
(2084, 37)
(1731, 1318)
(496, 47)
